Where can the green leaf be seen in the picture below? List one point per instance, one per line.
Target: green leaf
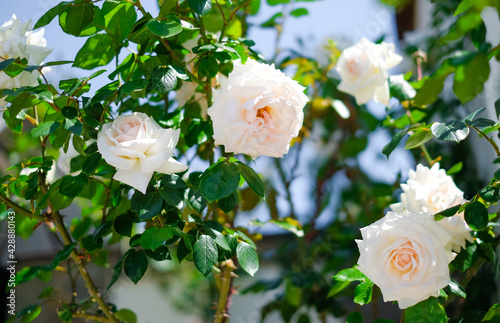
(490, 194)
(355, 317)
(117, 269)
(450, 211)
(429, 310)
(146, 205)
(476, 215)
(217, 236)
(299, 12)
(97, 51)
(165, 28)
(171, 195)
(159, 254)
(120, 20)
(247, 257)
(433, 85)
(389, 148)
(30, 313)
(219, 180)
(419, 138)
(363, 293)
(201, 7)
(276, 2)
(349, 275)
(126, 315)
(470, 78)
(455, 169)
(79, 16)
(91, 163)
(456, 288)
(205, 254)
(63, 254)
(135, 265)
(71, 186)
(208, 66)
(463, 6)
(492, 312)
(400, 88)
(50, 15)
(45, 129)
(497, 107)
(164, 79)
(4, 64)
(123, 224)
(252, 178)
(69, 112)
(452, 130)
(154, 237)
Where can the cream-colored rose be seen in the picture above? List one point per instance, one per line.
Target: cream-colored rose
(405, 255)
(363, 70)
(18, 40)
(432, 191)
(257, 111)
(137, 146)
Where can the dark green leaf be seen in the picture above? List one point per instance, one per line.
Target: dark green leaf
(247, 257)
(79, 16)
(146, 205)
(164, 79)
(71, 186)
(252, 178)
(4, 64)
(69, 112)
(103, 230)
(217, 236)
(50, 15)
(429, 310)
(457, 289)
(450, 211)
(201, 7)
(490, 194)
(63, 254)
(389, 148)
(355, 317)
(497, 107)
(476, 215)
(219, 180)
(123, 224)
(45, 129)
(208, 66)
(154, 237)
(91, 163)
(171, 195)
(135, 265)
(159, 254)
(205, 254)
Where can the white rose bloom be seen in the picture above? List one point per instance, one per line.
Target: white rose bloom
(432, 191)
(257, 111)
(18, 40)
(405, 255)
(137, 146)
(363, 70)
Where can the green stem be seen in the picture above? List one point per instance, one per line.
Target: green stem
(19, 209)
(226, 269)
(492, 143)
(427, 155)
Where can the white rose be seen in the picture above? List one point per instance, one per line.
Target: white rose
(432, 191)
(363, 71)
(257, 111)
(137, 146)
(405, 255)
(18, 40)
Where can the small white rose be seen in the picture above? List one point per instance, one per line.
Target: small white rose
(257, 111)
(18, 40)
(137, 146)
(363, 70)
(405, 255)
(432, 191)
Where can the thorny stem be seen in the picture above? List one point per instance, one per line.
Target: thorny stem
(286, 183)
(89, 283)
(226, 273)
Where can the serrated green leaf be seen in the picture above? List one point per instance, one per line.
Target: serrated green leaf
(219, 180)
(154, 237)
(252, 178)
(205, 254)
(476, 215)
(247, 257)
(135, 265)
(147, 205)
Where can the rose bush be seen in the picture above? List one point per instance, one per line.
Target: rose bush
(257, 111)
(363, 70)
(17, 40)
(432, 191)
(405, 254)
(137, 146)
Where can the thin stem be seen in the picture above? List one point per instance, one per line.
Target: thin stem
(19, 209)
(90, 317)
(493, 144)
(402, 317)
(226, 269)
(138, 4)
(427, 155)
(287, 187)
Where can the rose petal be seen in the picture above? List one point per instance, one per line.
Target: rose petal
(134, 177)
(171, 166)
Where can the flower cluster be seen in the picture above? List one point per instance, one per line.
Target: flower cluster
(363, 69)
(257, 111)
(17, 40)
(407, 252)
